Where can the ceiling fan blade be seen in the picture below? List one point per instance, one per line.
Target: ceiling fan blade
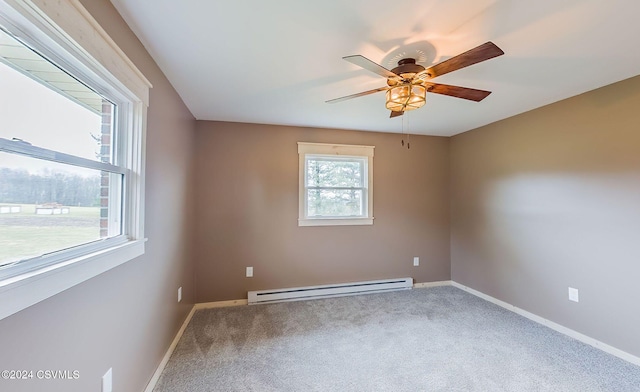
(455, 91)
(395, 114)
(476, 55)
(369, 65)
(356, 95)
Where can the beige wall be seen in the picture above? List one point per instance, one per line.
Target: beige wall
(126, 317)
(247, 203)
(551, 199)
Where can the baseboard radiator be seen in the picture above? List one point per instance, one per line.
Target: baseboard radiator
(329, 290)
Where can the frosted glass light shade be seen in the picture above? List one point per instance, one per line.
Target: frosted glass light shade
(405, 97)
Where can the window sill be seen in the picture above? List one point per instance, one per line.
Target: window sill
(20, 292)
(336, 222)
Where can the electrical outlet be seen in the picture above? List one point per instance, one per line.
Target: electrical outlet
(249, 272)
(416, 261)
(574, 295)
(107, 381)
(180, 294)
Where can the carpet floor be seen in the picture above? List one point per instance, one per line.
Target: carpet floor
(434, 339)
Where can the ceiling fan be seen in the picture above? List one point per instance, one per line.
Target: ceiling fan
(408, 83)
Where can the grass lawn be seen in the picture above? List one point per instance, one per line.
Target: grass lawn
(26, 234)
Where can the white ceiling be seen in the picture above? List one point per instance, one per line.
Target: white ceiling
(276, 62)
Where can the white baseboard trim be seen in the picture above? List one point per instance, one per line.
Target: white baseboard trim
(220, 304)
(167, 355)
(556, 327)
(424, 285)
(207, 305)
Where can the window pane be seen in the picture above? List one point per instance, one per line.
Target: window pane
(47, 206)
(334, 203)
(43, 105)
(334, 172)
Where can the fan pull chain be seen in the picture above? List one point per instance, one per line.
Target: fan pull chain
(403, 121)
(403, 133)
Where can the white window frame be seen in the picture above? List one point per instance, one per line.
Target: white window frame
(343, 150)
(66, 33)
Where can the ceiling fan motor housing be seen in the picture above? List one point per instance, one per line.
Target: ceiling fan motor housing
(406, 69)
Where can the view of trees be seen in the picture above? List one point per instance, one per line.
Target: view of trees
(20, 186)
(337, 186)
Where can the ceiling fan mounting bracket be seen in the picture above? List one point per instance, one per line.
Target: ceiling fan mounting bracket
(407, 67)
(406, 61)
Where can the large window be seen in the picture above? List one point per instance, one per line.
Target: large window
(71, 153)
(336, 184)
(61, 177)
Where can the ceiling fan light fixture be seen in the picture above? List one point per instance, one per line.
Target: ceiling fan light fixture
(407, 84)
(406, 96)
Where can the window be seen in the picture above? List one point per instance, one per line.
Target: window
(71, 152)
(60, 175)
(336, 184)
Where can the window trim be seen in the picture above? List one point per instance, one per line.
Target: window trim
(26, 149)
(343, 150)
(66, 32)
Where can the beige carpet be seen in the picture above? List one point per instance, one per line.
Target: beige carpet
(436, 339)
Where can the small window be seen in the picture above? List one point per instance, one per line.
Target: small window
(336, 184)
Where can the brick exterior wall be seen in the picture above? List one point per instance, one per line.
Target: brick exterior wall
(105, 155)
